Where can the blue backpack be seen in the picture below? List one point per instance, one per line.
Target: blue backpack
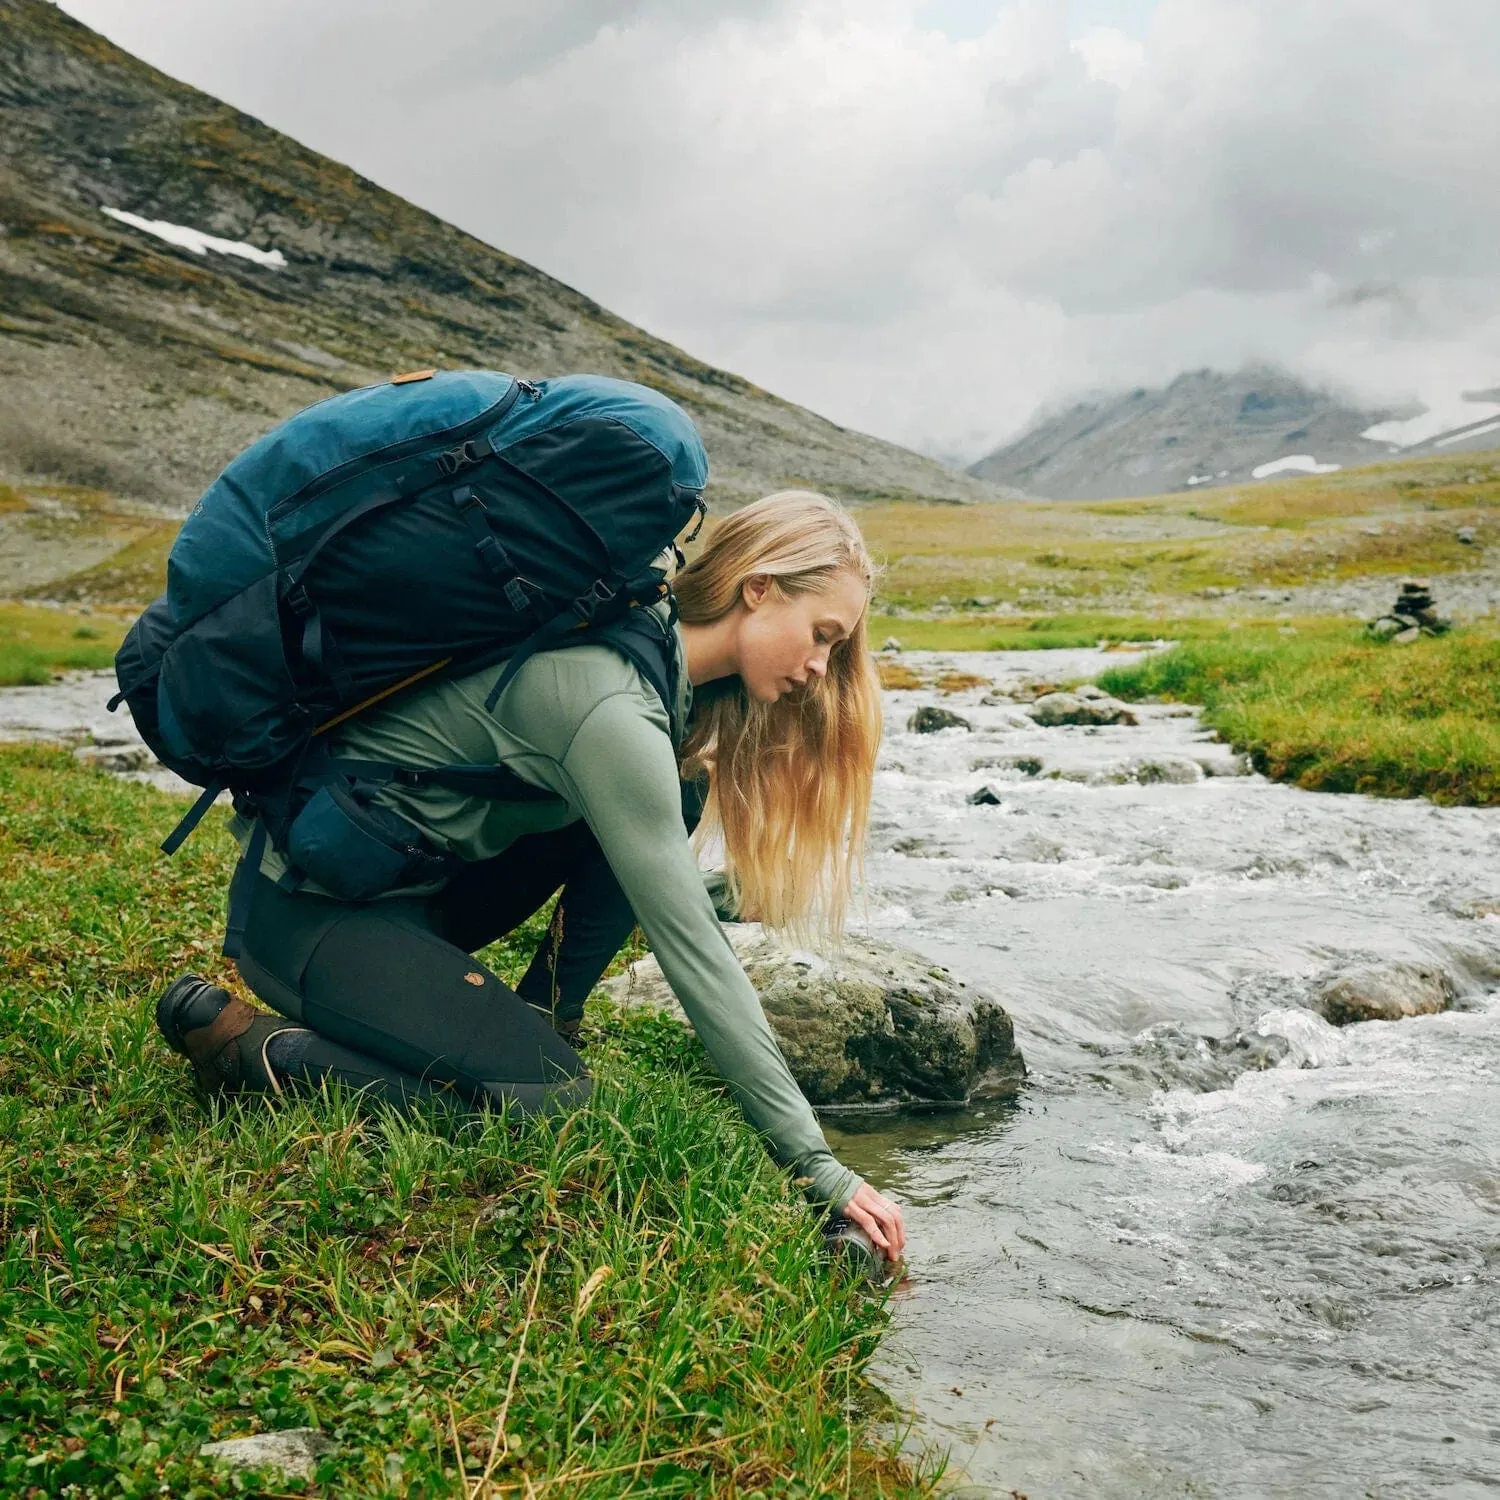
(431, 524)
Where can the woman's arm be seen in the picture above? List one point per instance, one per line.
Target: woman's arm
(620, 773)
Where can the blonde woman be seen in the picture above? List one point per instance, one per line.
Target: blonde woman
(770, 670)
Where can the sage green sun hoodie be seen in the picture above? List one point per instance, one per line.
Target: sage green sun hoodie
(583, 723)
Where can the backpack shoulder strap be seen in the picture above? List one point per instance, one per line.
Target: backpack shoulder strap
(644, 639)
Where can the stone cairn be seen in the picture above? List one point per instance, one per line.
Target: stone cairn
(1412, 616)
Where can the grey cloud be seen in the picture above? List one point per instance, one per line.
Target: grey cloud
(921, 236)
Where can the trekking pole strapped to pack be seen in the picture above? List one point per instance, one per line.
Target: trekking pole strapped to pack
(433, 523)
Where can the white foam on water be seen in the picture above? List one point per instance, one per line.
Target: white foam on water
(1201, 1175)
(1403, 1064)
(1314, 1043)
(197, 241)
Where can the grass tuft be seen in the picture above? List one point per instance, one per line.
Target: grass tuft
(1333, 711)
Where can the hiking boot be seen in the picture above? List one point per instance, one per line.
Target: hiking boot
(223, 1036)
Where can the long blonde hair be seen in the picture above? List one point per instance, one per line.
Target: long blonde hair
(789, 782)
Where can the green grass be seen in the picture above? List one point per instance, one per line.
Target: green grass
(629, 1300)
(1333, 711)
(1385, 519)
(35, 643)
(136, 573)
(1051, 632)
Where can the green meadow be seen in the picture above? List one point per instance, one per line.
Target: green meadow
(631, 1300)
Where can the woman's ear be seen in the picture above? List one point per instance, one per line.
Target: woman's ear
(754, 590)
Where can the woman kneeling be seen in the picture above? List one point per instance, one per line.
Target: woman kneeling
(772, 676)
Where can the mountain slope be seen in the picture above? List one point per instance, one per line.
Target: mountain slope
(1206, 428)
(138, 366)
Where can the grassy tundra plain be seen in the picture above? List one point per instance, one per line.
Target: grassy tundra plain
(631, 1301)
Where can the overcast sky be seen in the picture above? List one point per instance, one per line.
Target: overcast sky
(929, 218)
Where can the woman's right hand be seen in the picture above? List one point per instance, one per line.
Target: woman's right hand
(880, 1219)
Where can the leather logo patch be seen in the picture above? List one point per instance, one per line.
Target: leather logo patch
(412, 375)
(473, 978)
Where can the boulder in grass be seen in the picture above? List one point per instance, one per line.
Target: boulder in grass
(929, 719)
(871, 1026)
(295, 1451)
(1384, 992)
(1080, 708)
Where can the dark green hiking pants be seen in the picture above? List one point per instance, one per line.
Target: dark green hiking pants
(398, 1006)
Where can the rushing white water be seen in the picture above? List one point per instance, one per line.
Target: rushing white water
(1218, 1247)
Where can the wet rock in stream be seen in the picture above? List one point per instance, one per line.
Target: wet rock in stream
(1084, 705)
(1169, 1057)
(929, 719)
(871, 1026)
(1384, 992)
(1027, 765)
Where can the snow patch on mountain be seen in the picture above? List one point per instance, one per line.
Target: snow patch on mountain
(1296, 463)
(197, 241)
(1440, 417)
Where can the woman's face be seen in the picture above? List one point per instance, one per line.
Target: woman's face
(786, 640)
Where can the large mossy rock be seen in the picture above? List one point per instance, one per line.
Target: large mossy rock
(871, 1025)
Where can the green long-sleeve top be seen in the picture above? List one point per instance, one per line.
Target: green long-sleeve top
(584, 724)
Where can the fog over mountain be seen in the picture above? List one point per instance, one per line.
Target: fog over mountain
(931, 219)
(1208, 428)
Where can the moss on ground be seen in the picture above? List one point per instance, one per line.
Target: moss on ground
(629, 1300)
(1332, 710)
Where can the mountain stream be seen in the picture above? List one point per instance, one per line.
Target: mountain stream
(1216, 1246)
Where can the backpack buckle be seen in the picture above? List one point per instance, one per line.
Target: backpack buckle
(465, 456)
(587, 605)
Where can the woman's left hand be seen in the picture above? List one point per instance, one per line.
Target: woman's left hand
(880, 1219)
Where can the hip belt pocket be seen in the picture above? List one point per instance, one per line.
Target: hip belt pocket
(356, 850)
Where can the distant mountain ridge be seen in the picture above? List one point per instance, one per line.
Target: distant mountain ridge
(175, 277)
(1209, 428)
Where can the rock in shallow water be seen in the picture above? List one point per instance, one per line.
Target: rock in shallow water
(1384, 992)
(1074, 708)
(870, 1026)
(929, 720)
(293, 1450)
